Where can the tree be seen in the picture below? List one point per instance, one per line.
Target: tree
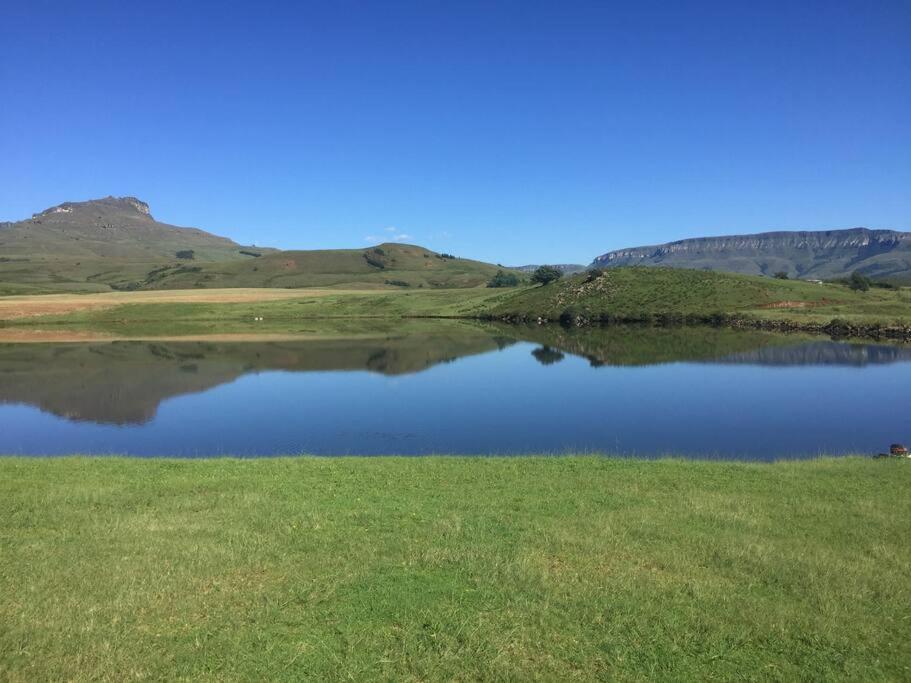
(781, 275)
(503, 279)
(546, 274)
(859, 282)
(188, 254)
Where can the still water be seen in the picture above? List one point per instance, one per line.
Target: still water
(460, 388)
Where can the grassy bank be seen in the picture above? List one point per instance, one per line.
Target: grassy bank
(438, 569)
(647, 293)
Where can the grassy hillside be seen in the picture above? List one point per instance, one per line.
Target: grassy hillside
(114, 243)
(118, 228)
(644, 293)
(100, 244)
(383, 266)
(453, 569)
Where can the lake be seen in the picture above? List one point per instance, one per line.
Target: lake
(460, 388)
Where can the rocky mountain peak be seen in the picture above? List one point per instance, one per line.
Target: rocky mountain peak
(130, 204)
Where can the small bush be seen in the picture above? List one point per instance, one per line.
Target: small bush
(503, 279)
(397, 283)
(781, 275)
(546, 274)
(187, 254)
(859, 282)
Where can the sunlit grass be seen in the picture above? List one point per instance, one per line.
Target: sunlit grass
(454, 569)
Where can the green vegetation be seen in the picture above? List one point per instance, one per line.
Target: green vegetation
(504, 279)
(546, 274)
(289, 316)
(859, 282)
(99, 245)
(373, 268)
(114, 243)
(448, 568)
(648, 294)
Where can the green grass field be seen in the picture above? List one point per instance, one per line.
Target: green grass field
(621, 294)
(295, 315)
(454, 569)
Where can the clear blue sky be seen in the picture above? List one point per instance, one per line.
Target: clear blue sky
(508, 131)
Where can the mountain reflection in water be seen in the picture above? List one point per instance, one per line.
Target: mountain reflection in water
(125, 382)
(458, 387)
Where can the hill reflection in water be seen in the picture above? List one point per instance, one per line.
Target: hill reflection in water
(124, 383)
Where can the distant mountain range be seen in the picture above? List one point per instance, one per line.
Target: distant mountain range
(115, 243)
(881, 254)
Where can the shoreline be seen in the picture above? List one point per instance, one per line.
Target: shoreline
(837, 329)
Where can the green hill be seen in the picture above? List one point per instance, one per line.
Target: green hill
(114, 243)
(645, 293)
(101, 244)
(387, 265)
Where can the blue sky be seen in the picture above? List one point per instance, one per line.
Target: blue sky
(513, 132)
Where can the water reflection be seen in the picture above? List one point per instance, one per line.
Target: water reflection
(629, 389)
(123, 382)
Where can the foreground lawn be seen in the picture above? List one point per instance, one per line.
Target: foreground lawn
(450, 568)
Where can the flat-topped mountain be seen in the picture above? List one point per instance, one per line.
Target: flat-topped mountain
(804, 254)
(112, 227)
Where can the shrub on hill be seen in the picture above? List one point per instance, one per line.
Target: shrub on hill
(859, 282)
(546, 274)
(503, 279)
